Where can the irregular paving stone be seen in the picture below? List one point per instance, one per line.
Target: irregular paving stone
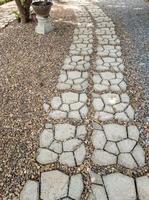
(56, 185)
(71, 145)
(84, 22)
(96, 178)
(80, 154)
(56, 102)
(98, 104)
(125, 98)
(98, 192)
(109, 109)
(109, 64)
(58, 114)
(83, 97)
(86, 31)
(130, 112)
(120, 107)
(126, 160)
(100, 87)
(44, 156)
(66, 146)
(46, 107)
(70, 97)
(113, 146)
(104, 40)
(118, 186)
(133, 132)
(76, 187)
(109, 106)
(56, 146)
(74, 115)
(81, 49)
(109, 50)
(110, 98)
(139, 155)
(102, 158)
(48, 126)
(73, 106)
(76, 106)
(46, 138)
(30, 191)
(103, 116)
(105, 24)
(79, 62)
(109, 81)
(64, 131)
(126, 143)
(101, 18)
(97, 187)
(143, 187)
(98, 139)
(73, 80)
(115, 132)
(67, 158)
(83, 37)
(121, 117)
(105, 31)
(97, 126)
(122, 187)
(81, 132)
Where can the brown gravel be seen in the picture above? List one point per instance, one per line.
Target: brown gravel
(29, 66)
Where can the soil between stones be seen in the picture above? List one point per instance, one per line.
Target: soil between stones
(29, 67)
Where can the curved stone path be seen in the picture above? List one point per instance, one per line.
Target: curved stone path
(6, 13)
(91, 132)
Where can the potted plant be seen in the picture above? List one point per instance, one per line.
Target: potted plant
(42, 10)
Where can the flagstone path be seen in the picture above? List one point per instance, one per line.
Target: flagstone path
(6, 13)
(91, 133)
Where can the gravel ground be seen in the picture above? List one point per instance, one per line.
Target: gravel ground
(29, 67)
(132, 20)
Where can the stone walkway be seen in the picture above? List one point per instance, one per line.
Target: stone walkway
(91, 143)
(6, 13)
(134, 15)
